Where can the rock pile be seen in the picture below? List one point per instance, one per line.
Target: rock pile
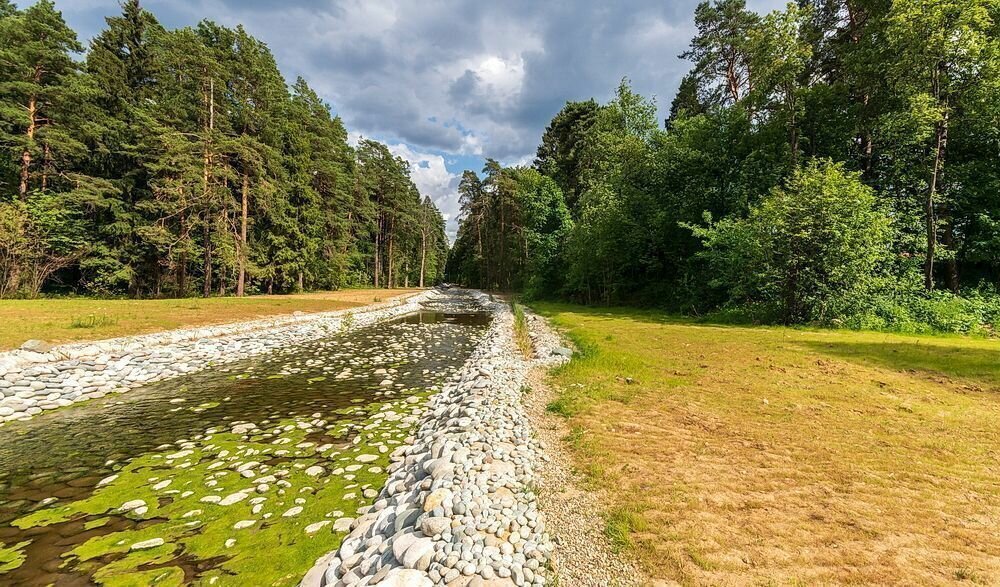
(458, 508)
(32, 382)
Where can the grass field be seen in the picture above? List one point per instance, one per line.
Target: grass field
(76, 319)
(759, 456)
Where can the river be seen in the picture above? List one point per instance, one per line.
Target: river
(242, 474)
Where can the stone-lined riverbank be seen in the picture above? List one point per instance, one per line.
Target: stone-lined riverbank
(241, 474)
(32, 382)
(459, 506)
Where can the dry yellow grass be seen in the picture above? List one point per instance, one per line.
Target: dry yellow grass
(749, 456)
(71, 320)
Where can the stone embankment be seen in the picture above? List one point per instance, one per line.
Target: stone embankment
(32, 382)
(459, 507)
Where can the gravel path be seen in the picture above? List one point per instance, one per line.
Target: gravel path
(583, 557)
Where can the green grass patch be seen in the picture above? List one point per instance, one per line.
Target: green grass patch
(967, 575)
(560, 407)
(619, 525)
(60, 320)
(93, 321)
(714, 442)
(522, 337)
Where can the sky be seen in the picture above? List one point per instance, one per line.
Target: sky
(448, 83)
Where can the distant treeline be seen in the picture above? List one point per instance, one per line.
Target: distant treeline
(835, 162)
(179, 162)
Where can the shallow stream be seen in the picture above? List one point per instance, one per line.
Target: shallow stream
(239, 475)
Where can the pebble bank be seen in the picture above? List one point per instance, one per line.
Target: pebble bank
(32, 381)
(459, 507)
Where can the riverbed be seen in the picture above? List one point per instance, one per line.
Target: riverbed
(241, 474)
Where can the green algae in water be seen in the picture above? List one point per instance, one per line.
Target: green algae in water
(99, 522)
(83, 536)
(202, 530)
(12, 557)
(165, 577)
(205, 406)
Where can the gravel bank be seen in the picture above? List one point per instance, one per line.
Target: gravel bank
(459, 506)
(32, 382)
(584, 556)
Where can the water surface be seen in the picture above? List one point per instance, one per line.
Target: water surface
(318, 404)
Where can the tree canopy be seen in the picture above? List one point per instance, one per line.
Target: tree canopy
(179, 162)
(834, 161)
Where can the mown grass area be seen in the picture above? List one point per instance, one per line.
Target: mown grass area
(62, 320)
(752, 455)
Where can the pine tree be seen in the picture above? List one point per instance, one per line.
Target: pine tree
(39, 87)
(180, 160)
(124, 65)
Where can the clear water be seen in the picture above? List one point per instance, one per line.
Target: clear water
(59, 457)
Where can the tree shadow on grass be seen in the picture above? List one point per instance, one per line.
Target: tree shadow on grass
(614, 312)
(950, 357)
(933, 357)
(653, 316)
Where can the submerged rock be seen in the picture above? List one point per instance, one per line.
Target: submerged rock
(131, 505)
(313, 528)
(233, 498)
(146, 544)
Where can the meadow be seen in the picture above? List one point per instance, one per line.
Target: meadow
(63, 320)
(772, 455)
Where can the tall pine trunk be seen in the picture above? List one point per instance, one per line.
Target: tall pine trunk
(32, 127)
(423, 254)
(388, 279)
(182, 261)
(206, 177)
(245, 199)
(501, 258)
(207, 268)
(378, 250)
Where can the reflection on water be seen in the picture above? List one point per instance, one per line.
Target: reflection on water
(59, 457)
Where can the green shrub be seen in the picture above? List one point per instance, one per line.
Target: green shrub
(918, 312)
(816, 249)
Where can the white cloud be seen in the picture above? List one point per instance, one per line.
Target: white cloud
(432, 178)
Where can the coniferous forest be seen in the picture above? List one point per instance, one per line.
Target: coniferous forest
(835, 162)
(161, 162)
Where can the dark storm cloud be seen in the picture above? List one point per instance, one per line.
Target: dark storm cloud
(419, 71)
(460, 77)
